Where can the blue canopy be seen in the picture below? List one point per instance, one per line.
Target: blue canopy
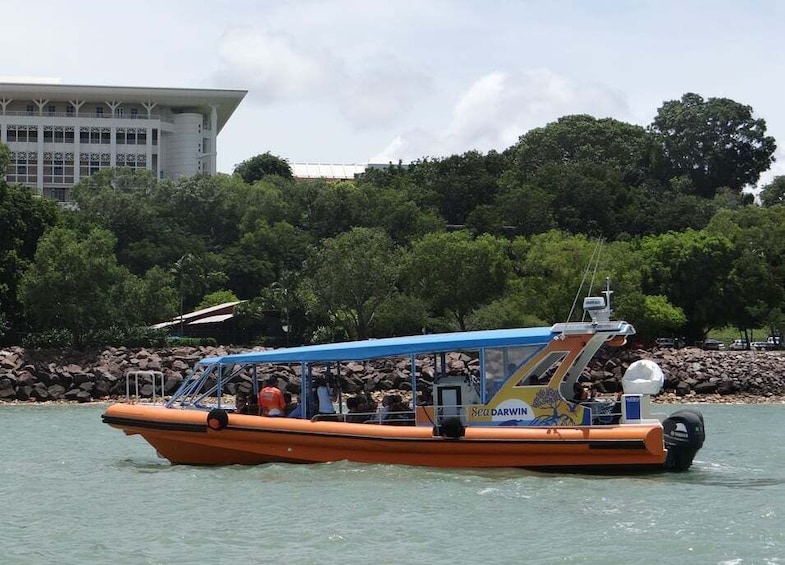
(392, 347)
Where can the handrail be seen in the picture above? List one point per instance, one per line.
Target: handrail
(135, 375)
(82, 115)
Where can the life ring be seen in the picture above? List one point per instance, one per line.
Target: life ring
(217, 419)
(453, 428)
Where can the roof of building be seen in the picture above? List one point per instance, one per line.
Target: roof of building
(204, 316)
(182, 99)
(326, 171)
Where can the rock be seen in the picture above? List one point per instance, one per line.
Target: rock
(705, 388)
(56, 392)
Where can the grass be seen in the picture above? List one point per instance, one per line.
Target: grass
(729, 333)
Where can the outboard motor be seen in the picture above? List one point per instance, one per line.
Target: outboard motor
(684, 435)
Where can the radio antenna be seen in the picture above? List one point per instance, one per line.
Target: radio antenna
(592, 266)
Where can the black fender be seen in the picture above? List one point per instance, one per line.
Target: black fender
(217, 419)
(452, 428)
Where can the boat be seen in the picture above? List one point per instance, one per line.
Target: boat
(513, 405)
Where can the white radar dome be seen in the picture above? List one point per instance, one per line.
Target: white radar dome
(643, 377)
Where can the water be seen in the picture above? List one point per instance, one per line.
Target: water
(73, 490)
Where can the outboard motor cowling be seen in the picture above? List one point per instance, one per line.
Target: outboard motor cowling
(684, 435)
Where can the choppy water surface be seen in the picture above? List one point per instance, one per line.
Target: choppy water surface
(74, 490)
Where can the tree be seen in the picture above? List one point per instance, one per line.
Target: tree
(456, 273)
(714, 142)
(216, 298)
(550, 268)
(194, 275)
(456, 185)
(23, 221)
(260, 166)
(351, 275)
(774, 192)
(76, 285)
(692, 270)
(754, 286)
(628, 149)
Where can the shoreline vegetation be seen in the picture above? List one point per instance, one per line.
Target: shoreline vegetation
(67, 376)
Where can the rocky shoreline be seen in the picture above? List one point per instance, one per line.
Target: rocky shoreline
(692, 375)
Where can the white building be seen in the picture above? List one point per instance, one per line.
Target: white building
(58, 134)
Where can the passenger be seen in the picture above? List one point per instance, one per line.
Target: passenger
(271, 400)
(353, 405)
(580, 393)
(291, 405)
(241, 403)
(367, 407)
(383, 409)
(325, 398)
(297, 412)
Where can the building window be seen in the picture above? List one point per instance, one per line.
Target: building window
(29, 109)
(155, 137)
(132, 160)
(99, 111)
(58, 168)
(95, 135)
(91, 163)
(69, 110)
(134, 113)
(56, 134)
(23, 168)
(22, 134)
(119, 112)
(51, 109)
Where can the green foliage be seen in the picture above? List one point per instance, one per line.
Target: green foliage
(654, 316)
(260, 166)
(5, 158)
(627, 149)
(23, 220)
(400, 314)
(715, 142)
(177, 341)
(76, 285)
(324, 258)
(456, 185)
(194, 275)
(351, 275)
(774, 192)
(754, 288)
(691, 269)
(549, 269)
(456, 273)
(216, 298)
(506, 312)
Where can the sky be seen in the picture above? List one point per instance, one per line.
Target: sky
(359, 81)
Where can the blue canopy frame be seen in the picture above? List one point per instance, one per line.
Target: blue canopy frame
(392, 347)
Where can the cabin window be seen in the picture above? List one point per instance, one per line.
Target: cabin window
(544, 370)
(502, 363)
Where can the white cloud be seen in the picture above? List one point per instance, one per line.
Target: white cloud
(501, 106)
(381, 95)
(274, 67)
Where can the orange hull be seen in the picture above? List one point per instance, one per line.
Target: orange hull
(182, 436)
